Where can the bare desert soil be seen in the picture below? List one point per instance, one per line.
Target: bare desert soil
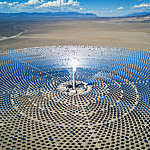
(75, 32)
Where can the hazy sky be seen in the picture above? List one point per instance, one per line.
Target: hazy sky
(100, 7)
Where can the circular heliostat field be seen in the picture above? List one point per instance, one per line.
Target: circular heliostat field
(108, 109)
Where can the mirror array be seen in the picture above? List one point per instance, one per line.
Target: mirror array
(113, 114)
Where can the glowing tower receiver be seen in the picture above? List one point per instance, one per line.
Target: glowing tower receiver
(75, 63)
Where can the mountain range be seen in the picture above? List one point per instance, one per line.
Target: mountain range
(51, 14)
(71, 14)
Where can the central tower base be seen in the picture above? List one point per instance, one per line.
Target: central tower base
(81, 87)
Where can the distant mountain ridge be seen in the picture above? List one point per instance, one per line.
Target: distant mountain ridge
(72, 15)
(139, 14)
(55, 14)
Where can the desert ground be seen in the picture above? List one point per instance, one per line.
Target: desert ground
(23, 33)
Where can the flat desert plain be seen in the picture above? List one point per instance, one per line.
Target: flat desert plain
(109, 33)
